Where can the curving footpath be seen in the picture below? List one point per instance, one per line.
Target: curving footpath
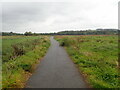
(56, 70)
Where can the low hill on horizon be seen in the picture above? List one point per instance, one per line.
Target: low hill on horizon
(71, 32)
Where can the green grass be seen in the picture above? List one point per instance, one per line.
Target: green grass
(20, 56)
(0, 63)
(96, 57)
(22, 42)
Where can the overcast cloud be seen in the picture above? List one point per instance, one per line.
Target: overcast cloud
(59, 16)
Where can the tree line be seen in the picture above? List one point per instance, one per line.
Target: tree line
(85, 32)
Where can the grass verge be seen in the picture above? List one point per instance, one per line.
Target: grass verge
(96, 57)
(17, 69)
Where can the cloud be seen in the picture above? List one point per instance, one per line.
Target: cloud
(56, 16)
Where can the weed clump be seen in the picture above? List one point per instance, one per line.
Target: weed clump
(18, 49)
(66, 42)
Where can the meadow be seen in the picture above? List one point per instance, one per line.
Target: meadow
(20, 54)
(0, 62)
(96, 56)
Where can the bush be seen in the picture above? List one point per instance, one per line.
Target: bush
(26, 67)
(18, 49)
(65, 42)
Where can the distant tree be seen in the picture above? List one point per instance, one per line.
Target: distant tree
(10, 34)
(28, 33)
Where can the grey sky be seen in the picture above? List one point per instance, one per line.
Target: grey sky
(59, 16)
(119, 16)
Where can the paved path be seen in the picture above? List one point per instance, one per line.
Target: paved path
(56, 70)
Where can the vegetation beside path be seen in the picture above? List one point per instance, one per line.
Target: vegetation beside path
(95, 56)
(20, 54)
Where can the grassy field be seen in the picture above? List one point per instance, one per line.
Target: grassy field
(20, 54)
(95, 56)
(0, 62)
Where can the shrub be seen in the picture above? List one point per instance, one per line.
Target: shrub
(26, 67)
(65, 42)
(18, 49)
